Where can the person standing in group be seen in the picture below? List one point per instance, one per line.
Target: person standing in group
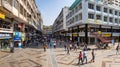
(84, 55)
(117, 49)
(80, 58)
(93, 56)
(54, 44)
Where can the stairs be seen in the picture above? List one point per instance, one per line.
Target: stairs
(103, 40)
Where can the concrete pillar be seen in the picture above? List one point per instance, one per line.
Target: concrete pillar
(86, 33)
(119, 34)
(96, 40)
(111, 31)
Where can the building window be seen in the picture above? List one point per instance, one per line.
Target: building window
(25, 13)
(76, 18)
(91, 16)
(111, 19)
(105, 10)
(105, 19)
(119, 21)
(21, 9)
(25, 1)
(98, 17)
(80, 16)
(116, 20)
(116, 12)
(72, 12)
(9, 1)
(98, 8)
(111, 11)
(16, 4)
(76, 9)
(79, 6)
(90, 6)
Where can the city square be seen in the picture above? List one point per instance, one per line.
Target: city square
(57, 33)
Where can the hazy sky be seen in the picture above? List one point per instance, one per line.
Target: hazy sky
(50, 9)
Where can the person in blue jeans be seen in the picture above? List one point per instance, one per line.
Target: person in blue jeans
(84, 55)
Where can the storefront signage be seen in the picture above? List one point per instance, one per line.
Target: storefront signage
(81, 33)
(5, 36)
(2, 16)
(62, 34)
(17, 36)
(23, 36)
(75, 34)
(68, 34)
(106, 35)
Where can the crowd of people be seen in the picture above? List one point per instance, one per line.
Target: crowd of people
(83, 56)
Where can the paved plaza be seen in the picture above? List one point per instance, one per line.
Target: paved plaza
(36, 57)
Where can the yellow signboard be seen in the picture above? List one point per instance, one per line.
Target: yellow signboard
(2, 16)
(75, 35)
(106, 35)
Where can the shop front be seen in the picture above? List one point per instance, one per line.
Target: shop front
(5, 41)
(17, 39)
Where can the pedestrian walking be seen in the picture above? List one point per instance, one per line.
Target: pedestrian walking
(85, 46)
(75, 46)
(51, 43)
(44, 46)
(93, 56)
(117, 49)
(70, 46)
(65, 46)
(85, 56)
(80, 58)
(68, 50)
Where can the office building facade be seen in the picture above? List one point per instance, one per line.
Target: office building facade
(86, 16)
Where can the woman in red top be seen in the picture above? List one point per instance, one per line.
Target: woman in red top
(80, 58)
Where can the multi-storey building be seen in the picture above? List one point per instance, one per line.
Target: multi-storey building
(19, 21)
(59, 26)
(86, 16)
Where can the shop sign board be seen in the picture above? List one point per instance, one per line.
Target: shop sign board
(17, 36)
(5, 36)
(23, 36)
(106, 35)
(2, 16)
(68, 34)
(81, 33)
(75, 34)
(62, 34)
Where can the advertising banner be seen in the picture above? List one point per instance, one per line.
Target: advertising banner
(5, 36)
(2, 16)
(23, 36)
(17, 36)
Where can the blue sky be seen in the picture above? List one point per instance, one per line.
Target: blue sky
(50, 9)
